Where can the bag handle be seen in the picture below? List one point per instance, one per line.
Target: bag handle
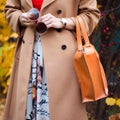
(78, 34)
(80, 26)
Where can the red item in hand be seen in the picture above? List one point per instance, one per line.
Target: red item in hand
(37, 4)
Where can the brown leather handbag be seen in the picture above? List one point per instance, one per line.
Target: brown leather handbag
(91, 76)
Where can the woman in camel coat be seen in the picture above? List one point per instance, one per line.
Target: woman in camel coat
(58, 46)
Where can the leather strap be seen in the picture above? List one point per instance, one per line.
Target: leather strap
(78, 34)
(80, 28)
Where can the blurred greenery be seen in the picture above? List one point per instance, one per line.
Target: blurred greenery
(106, 39)
(7, 46)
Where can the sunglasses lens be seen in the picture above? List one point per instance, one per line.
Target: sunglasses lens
(34, 13)
(41, 27)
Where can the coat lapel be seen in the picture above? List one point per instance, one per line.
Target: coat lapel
(46, 3)
(29, 4)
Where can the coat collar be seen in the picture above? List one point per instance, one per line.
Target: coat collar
(45, 3)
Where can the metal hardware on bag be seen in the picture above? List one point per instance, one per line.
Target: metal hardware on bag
(83, 50)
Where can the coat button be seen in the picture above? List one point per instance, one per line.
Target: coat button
(63, 47)
(59, 11)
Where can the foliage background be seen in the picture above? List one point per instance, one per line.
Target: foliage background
(106, 38)
(7, 45)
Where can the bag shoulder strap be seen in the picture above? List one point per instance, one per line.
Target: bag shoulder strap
(78, 35)
(83, 30)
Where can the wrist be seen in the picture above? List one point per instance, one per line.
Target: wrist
(64, 22)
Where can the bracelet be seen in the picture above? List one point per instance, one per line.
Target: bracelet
(64, 22)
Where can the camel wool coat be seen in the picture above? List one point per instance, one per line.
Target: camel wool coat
(59, 47)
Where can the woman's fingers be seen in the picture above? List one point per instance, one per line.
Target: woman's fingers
(51, 21)
(48, 19)
(25, 20)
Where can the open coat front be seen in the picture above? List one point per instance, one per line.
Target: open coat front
(58, 49)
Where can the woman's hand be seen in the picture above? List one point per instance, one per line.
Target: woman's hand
(51, 21)
(25, 19)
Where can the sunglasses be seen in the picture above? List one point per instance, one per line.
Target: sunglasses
(41, 27)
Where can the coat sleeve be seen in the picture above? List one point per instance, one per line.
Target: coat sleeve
(89, 13)
(12, 13)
